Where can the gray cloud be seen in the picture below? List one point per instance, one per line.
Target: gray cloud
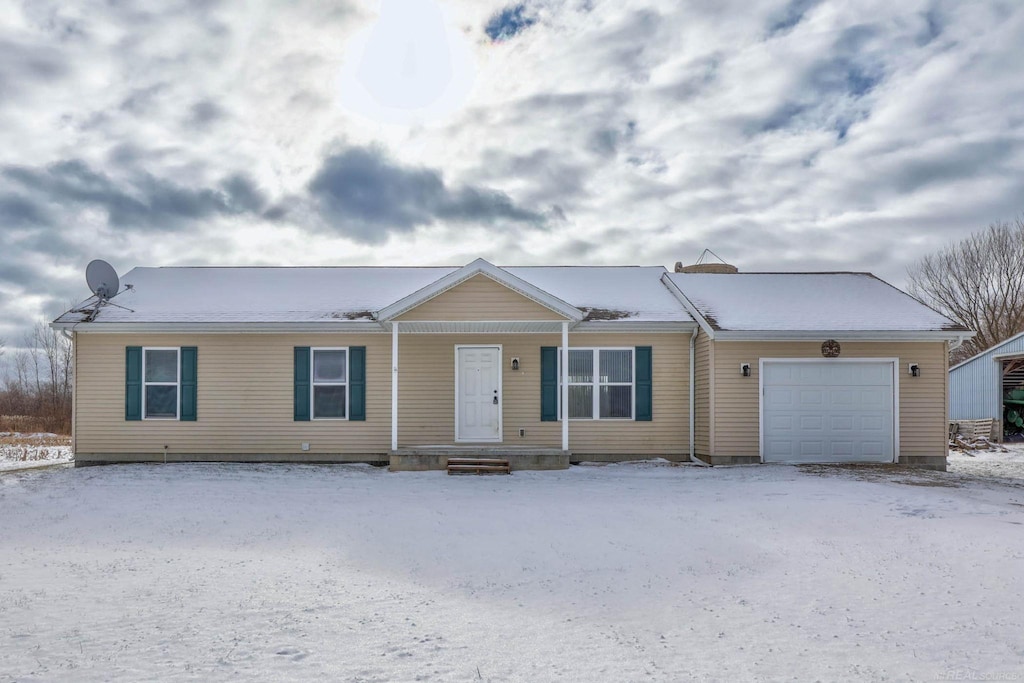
(143, 202)
(366, 196)
(17, 211)
(790, 15)
(25, 65)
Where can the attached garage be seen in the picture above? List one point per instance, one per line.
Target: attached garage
(821, 411)
(815, 368)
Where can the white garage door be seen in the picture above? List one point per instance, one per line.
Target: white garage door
(820, 411)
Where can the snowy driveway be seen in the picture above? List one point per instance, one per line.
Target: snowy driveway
(618, 573)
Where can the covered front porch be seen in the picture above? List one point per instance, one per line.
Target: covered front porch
(473, 389)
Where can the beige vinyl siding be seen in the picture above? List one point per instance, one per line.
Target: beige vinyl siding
(480, 298)
(922, 399)
(426, 408)
(702, 394)
(244, 396)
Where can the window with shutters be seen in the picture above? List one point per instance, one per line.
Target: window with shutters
(601, 384)
(161, 378)
(329, 375)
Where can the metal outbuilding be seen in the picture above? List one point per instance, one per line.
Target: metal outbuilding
(976, 385)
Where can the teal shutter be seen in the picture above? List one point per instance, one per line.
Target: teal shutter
(133, 383)
(187, 409)
(301, 384)
(357, 383)
(644, 375)
(549, 384)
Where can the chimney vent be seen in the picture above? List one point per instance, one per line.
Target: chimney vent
(701, 266)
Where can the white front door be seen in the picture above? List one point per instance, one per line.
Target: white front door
(478, 393)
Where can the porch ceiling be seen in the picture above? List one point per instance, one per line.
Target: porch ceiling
(478, 326)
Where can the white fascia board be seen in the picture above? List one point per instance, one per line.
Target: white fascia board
(477, 267)
(988, 350)
(840, 335)
(221, 328)
(687, 326)
(690, 308)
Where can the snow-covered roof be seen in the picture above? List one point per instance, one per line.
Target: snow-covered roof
(809, 302)
(356, 294)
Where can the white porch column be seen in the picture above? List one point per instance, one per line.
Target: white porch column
(394, 386)
(565, 386)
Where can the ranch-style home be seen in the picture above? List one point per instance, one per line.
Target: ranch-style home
(543, 365)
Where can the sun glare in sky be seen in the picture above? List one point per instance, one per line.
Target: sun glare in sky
(410, 65)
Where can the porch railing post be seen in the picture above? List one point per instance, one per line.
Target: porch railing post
(565, 386)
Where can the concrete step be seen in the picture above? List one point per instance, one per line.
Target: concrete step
(478, 461)
(478, 466)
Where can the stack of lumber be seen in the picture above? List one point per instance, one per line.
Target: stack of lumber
(972, 435)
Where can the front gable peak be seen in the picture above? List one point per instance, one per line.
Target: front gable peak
(480, 268)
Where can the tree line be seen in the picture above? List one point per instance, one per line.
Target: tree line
(36, 394)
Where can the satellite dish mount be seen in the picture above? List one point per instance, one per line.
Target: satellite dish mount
(104, 283)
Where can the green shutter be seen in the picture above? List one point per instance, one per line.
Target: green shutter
(301, 383)
(189, 362)
(357, 383)
(644, 375)
(133, 383)
(549, 384)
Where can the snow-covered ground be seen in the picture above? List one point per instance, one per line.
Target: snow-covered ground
(615, 573)
(993, 463)
(25, 451)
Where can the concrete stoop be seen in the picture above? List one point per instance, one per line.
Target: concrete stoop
(436, 457)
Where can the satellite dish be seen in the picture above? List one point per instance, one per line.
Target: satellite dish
(102, 279)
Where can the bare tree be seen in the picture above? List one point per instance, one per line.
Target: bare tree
(978, 282)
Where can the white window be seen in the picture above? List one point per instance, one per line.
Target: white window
(329, 384)
(160, 383)
(601, 384)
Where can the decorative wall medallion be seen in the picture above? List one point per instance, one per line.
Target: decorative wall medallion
(830, 349)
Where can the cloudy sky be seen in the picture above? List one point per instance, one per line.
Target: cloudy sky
(782, 134)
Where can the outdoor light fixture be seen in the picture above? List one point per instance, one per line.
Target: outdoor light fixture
(915, 370)
(515, 363)
(745, 369)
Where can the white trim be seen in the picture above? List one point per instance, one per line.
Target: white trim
(596, 383)
(478, 267)
(839, 335)
(313, 383)
(501, 393)
(674, 289)
(384, 327)
(564, 389)
(394, 387)
(305, 327)
(988, 350)
(636, 326)
(894, 362)
(477, 326)
(176, 384)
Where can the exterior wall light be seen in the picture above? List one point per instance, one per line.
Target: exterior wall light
(915, 370)
(745, 369)
(515, 363)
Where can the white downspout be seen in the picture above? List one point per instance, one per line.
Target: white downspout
(693, 408)
(394, 386)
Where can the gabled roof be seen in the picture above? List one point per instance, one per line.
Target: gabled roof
(363, 297)
(480, 267)
(767, 305)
